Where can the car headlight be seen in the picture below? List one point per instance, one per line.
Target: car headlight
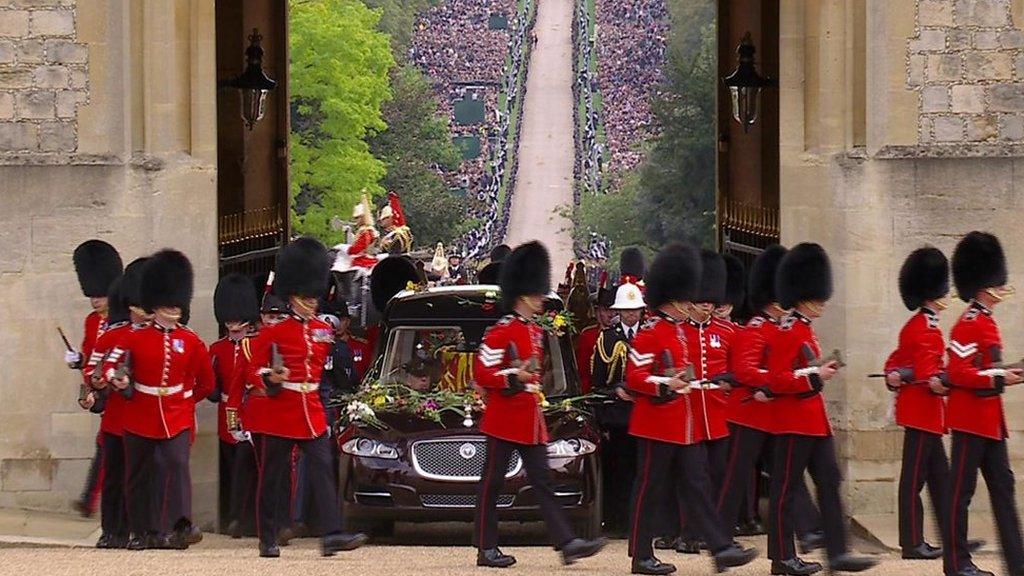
(570, 448)
(367, 448)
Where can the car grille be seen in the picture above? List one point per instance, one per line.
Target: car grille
(456, 459)
(461, 500)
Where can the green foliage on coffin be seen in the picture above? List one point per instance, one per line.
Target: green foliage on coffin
(338, 80)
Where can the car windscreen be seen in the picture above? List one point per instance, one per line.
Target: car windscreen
(441, 358)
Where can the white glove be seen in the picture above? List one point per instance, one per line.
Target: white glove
(241, 436)
(72, 357)
(807, 371)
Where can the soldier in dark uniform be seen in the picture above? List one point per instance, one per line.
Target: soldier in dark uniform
(618, 449)
(514, 419)
(976, 413)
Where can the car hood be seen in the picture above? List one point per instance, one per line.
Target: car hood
(561, 424)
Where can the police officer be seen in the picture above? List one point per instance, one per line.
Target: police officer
(170, 371)
(618, 449)
(508, 368)
(803, 283)
(976, 413)
(237, 311)
(286, 366)
(665, 421)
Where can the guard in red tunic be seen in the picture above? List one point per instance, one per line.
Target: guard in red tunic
(97, 265)
(916, 372)
(665, 420)
(508, 368)
(237, 311)
(169, 372)
(287, 361)
(976, 415)
(803, 283)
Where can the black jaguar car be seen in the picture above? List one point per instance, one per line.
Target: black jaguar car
(416, 469)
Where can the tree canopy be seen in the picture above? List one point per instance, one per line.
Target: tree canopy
(339, 80)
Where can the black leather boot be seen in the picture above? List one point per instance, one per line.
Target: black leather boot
(652, 566)
(578, 548)
(923, 551)
(494, 558)
(342, 542)
(794, 566)
(732, 556)
(851, 563)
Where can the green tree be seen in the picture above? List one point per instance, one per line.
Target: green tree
(398, 20)
(339, 79)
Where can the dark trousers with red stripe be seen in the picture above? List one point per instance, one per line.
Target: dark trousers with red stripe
(970, 454)
(113, 518)
(924, 462)
(243, 485)
(658, 464)
(747, 447)
(226, 469)
(94, 480)
(275, 457)
(535, 461)
(157, 479)
(677, 524)
(618, 461)
(795, 454)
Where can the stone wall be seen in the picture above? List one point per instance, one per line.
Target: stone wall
(966, 61)
(107, 130)
(43, 76)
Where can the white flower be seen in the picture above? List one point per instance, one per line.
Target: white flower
(357, 410)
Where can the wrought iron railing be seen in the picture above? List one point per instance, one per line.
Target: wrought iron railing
(747, 229)
(252, 235)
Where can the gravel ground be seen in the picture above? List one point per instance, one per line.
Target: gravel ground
(217, 555)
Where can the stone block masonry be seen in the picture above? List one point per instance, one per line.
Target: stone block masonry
(43, 72)
(966, 62)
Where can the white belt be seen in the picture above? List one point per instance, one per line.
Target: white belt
(301, 387)
(163, 390)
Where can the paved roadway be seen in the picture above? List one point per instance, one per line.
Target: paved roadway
(433, 557)
(546, 146)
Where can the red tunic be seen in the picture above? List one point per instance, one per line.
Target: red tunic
(112, 421)
(171, 371)
(797, 407)
(241, 396)
(748, 361)
(707, 349)
(296, 411)
(224, 353)
(586, 342)
(513, 417)
(676, 421)
(95, 325)
(364, 241)
(974, 346)
(920, 349)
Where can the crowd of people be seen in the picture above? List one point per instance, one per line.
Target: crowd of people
(465, 58)
(631, 36)
(589, 151)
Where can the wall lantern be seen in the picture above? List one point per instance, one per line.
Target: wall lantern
(253, 84)
(745, 85)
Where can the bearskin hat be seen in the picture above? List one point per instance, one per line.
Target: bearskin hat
(978, 263)
(735, 281)
(761, 283)
(97, 265)
(234, 300)
(804, 275)
(632, 263)
(117, 303)
(500, 252)
(389, 277)
(674, 276)
(489, 274)
(924, 276)
(712, 278)
(302, 269)
(166, 280)
(131, 280)
(526, 272)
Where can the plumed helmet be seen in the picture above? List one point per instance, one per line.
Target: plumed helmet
(131, 281)
(712, 278)
(978, 263)
(97, 265)
(735, 281)
(804, 275)
(924, 276)
(674, 275)
(389, 277)
(166, 280)
(234, 300)
(632, 264)
(761, 283)
(525, 272)
(302, 269)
